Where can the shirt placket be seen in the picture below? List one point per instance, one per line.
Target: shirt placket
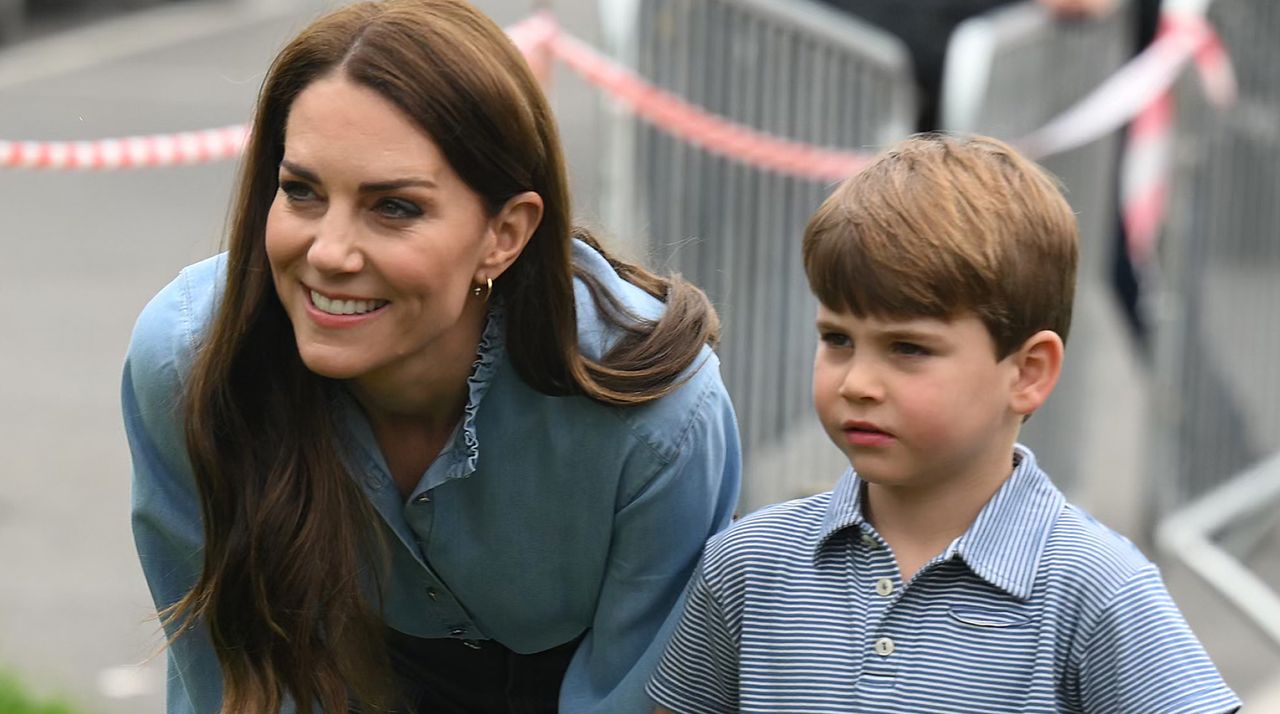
(879, 588)
(419, 514)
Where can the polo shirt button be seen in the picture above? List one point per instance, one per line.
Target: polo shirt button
(431, 593)
(884, 587)
(424, 497)
(884, 647)
(457, 632)
(869, 541)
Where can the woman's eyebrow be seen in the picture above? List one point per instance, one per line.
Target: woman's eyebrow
(367, 187)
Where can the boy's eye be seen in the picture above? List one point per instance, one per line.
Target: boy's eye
(297, 191)
(835, 339)
(910, 349)
(397, 208)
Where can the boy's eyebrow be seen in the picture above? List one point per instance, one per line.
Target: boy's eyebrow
(907, 333)
(825, 324)
(367, 187)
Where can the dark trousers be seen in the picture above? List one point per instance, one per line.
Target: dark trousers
(446, 676)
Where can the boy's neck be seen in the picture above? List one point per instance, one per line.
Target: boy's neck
(918, 523)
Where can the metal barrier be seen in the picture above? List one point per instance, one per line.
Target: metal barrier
(795, 69)
(1216, 390)
(1009, 71)
(1228, 537)
(1216, 393)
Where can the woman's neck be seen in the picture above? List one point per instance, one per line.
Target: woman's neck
(414, 405)
(429, 388)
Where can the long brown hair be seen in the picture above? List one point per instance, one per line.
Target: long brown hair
(291, 547)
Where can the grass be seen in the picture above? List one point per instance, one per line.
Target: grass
(14, 700)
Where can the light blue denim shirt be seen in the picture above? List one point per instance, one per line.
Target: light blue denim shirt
(544, 518)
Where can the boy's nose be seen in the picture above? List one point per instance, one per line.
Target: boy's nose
(862, 382)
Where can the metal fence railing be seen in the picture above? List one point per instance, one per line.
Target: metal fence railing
(794, 69)
(1215, 450)
(995, 83)
(1228, 537)
(1216, 390)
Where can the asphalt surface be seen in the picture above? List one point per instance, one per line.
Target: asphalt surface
(80, 253)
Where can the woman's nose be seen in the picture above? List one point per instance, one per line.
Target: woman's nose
(334, 247)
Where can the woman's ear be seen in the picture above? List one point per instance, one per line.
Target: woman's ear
(1038, 363)
(510, 231)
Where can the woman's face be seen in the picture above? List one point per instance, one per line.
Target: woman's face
(374, 241)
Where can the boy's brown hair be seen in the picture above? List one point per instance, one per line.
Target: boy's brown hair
(941, 224)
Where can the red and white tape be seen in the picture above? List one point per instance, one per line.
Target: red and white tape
(1138, 92)
(193, 147)
(697, 126)
(1145, 171)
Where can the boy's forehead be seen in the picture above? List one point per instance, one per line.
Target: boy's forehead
(884, 322)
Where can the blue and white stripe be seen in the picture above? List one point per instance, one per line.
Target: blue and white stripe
(1035, 608)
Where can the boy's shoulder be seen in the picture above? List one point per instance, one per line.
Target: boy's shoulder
(783, 532)
(1090, 570)
(1083, 547)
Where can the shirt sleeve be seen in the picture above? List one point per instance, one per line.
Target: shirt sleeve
(657, 537)
(167, 525)
(1142, 657)
(698, 673)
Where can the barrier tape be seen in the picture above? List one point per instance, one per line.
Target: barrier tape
(130, 152)
(1138, 92)
(1146, 166)
(698, 127)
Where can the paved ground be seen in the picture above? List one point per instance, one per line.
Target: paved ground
(81, 253)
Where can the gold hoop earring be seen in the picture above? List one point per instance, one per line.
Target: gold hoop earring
(484, 291)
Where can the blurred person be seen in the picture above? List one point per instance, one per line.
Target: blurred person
(925, 27)
(414, 443)
(944, 572)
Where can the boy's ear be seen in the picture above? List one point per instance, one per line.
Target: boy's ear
(1038, 363)
(511, 230)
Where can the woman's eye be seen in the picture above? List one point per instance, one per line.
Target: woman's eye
(397, 208)
(297, 191)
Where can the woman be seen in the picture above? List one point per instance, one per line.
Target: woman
(409, 444)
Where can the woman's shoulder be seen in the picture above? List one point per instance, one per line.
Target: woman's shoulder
(597, 333)
(169, 326)
(700, 396)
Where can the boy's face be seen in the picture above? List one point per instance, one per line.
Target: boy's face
(914, 402)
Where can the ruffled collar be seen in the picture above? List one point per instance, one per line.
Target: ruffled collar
(493, 340)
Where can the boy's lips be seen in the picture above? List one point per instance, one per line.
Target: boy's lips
(865, 433)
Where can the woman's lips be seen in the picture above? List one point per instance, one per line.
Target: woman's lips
(328, 310)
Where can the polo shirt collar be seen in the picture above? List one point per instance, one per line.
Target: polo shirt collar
(1007, 539)
(1004, 543)
(844, 510)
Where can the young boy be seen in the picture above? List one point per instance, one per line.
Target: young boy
(945, 572)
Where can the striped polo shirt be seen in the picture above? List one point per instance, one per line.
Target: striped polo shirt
(1037, 607)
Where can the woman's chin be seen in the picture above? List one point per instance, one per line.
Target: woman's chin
(327, 363)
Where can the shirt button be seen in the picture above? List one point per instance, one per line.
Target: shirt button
(884, 586)
(458, 632)
(869, 541)
(431, 593)
(884, 647)
(424, 497)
